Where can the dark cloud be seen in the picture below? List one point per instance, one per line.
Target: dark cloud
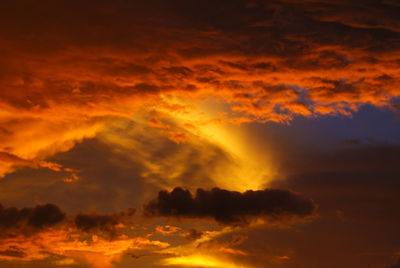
(90, 222)
(106, 224)
(45, 216)
(229, 207)
(14, 252)
(27, 220)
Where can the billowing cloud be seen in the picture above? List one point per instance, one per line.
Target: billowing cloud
(123, 99)
(229, 207)
(266, 61)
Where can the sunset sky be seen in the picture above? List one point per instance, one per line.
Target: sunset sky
(198, 133)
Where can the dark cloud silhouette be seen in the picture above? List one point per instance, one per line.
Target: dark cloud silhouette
(106, 224)
(27, 220)
(45, 216)
(229, 207)
(90, 222)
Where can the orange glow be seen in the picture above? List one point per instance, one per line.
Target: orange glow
(97, 251)
(199, 261)
(225, 127)
(167, 229)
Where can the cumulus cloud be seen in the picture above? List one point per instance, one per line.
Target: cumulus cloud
(229, 207)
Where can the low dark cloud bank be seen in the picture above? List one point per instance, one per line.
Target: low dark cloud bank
(29, 220)
(229, 207)
(106, 224)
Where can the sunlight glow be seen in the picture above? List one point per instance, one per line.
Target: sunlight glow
(199, 261)
(205, 119)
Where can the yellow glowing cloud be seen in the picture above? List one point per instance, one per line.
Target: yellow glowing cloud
(206, 120)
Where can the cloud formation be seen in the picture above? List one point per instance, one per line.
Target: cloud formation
(72, 71)
(102, 224)
(28, 220)
(45, 232)
(229, 207)
(267, 61)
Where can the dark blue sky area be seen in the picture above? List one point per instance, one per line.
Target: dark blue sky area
(369, 126)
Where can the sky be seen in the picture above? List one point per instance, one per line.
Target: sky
(175, 133)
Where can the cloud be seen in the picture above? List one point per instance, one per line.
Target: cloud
(167, 229)
(193, 234)
(28, 220)
(209, 249)
(31, 220)
(45, 232)
(102, 224)
(229, 207)
(265, 61)
(62, 246)
(65, 80)
(13, 252)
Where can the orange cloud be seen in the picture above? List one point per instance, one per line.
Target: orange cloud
(62, 88)
(66, 245)
(167, 229)
(94, 69)
(207, 251)
(45, 232)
